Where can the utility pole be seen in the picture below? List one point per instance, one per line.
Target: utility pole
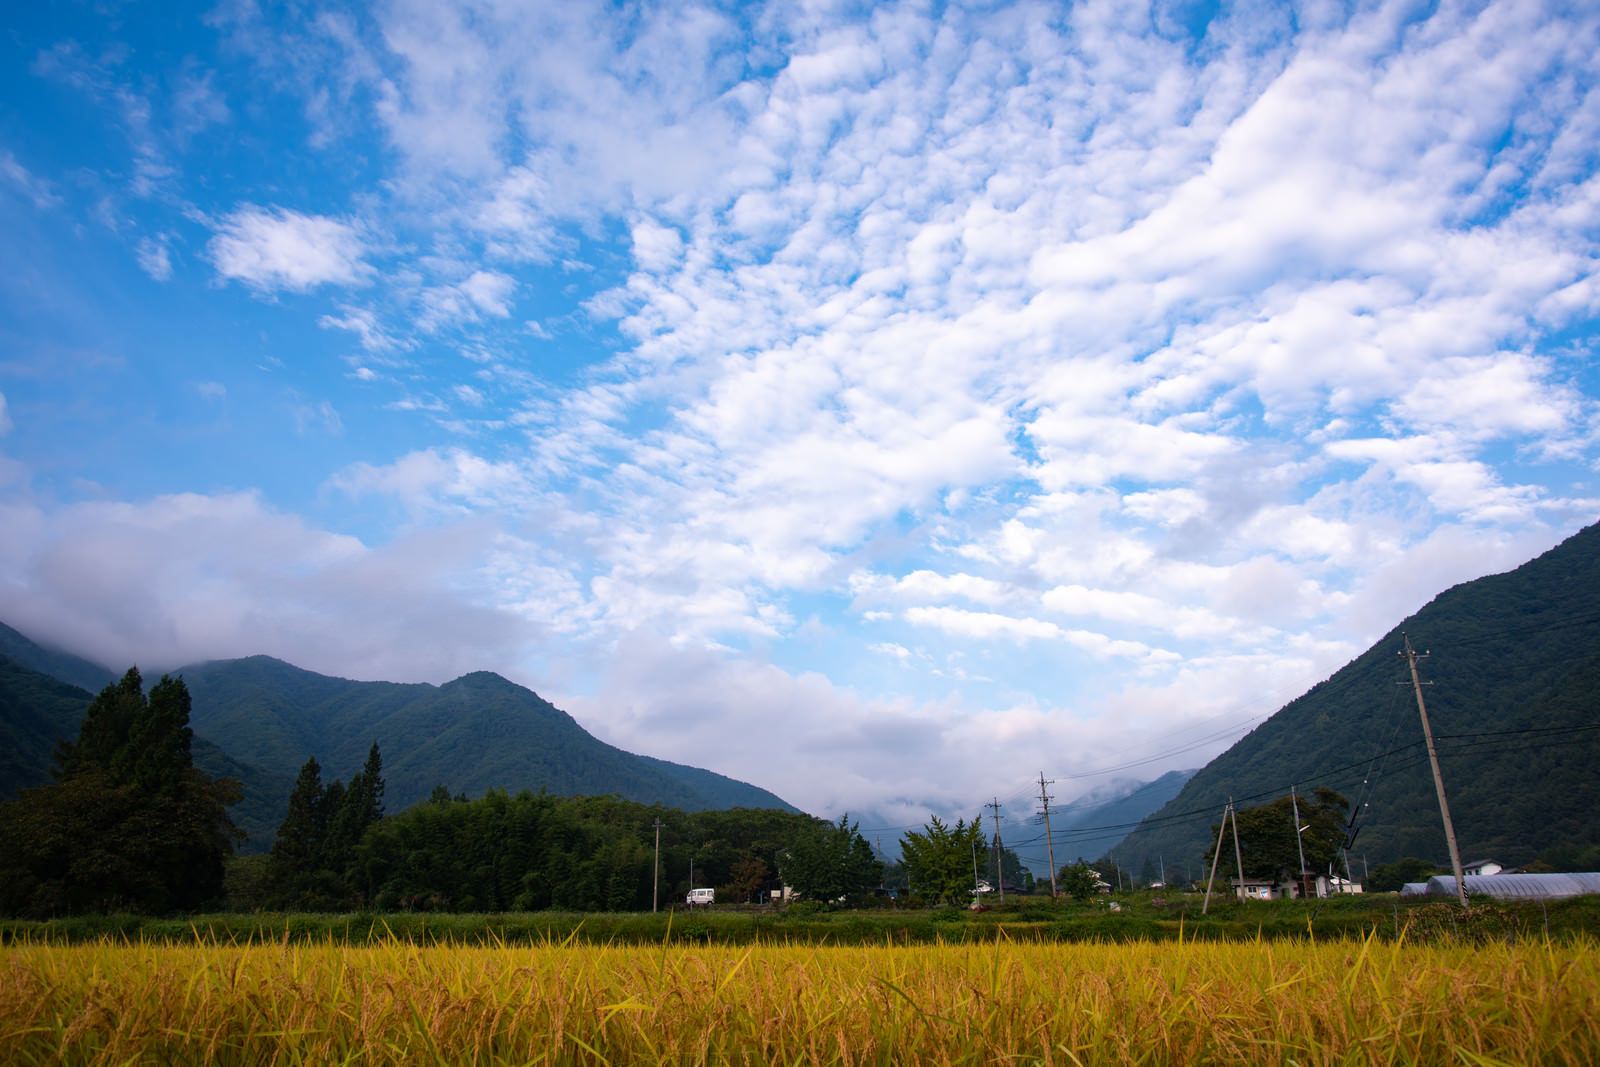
(1044, 805)
(1300, 879)
(655, 877)
(1222, 828)
(999, 869)
(1410, 657)
(1238, 857)
(977, 898)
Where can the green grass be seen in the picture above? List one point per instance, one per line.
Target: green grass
(1025, 921)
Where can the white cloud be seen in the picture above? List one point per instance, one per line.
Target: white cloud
(424, 478)
(187, 577)
(656, 247)
(275, 248)
(315, 418)
(892, 650)
(490, 292)
(364, 324)
(483, 292)
(5, 417)
(1489, 397)
(154, 259)
(36, 189)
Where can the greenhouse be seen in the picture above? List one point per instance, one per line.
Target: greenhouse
(1508, 886)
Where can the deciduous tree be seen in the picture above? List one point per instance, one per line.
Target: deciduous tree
(1267, 835)
(939, 861)
(1079, 880)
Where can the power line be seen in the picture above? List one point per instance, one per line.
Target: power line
(1536, 737)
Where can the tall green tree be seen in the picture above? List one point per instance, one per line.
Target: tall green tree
(1267, 835)
(312, 865)
(105, 731)
(129, 824)
(1079, 881)
(157, 756)
(831, 863)
(940, 859)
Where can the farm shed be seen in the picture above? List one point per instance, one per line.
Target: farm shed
(1509, 886)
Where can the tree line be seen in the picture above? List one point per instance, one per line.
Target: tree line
(129, 824)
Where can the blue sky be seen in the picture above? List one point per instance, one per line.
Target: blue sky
(882, 403)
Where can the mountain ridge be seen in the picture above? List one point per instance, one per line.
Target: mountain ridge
(259, 718)
(1514, 672)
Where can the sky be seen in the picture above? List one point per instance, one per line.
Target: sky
(886, 404)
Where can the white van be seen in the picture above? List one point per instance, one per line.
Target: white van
(701, 896)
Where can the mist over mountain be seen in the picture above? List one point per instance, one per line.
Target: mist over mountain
(1097, 822)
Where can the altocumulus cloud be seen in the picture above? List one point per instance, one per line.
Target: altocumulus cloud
(902, 392)
(273, 248)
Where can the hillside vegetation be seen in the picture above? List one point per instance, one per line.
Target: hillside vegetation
(1514, 674)
(259, 719)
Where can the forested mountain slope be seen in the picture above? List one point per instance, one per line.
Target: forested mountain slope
(35, 710)
(62, 666)
(477, 733)
(259, 719)
(1514, 702)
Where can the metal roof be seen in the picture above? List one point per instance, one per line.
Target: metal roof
(1509, 886)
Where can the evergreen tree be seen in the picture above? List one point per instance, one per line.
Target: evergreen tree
(1013, 873)
(831, 863)
(297, 852)
(105, 730)
(312, 865)
(157, 753)
(129, 824)
(351, 810)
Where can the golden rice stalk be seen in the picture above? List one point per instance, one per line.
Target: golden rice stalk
(398, 1003)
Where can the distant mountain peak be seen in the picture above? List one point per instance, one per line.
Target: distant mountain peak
(472, 734)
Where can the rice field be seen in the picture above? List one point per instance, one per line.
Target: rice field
(1355, 1002)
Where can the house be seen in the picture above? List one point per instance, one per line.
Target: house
(1481, 867)
(1256, 889)
(1286, 888)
